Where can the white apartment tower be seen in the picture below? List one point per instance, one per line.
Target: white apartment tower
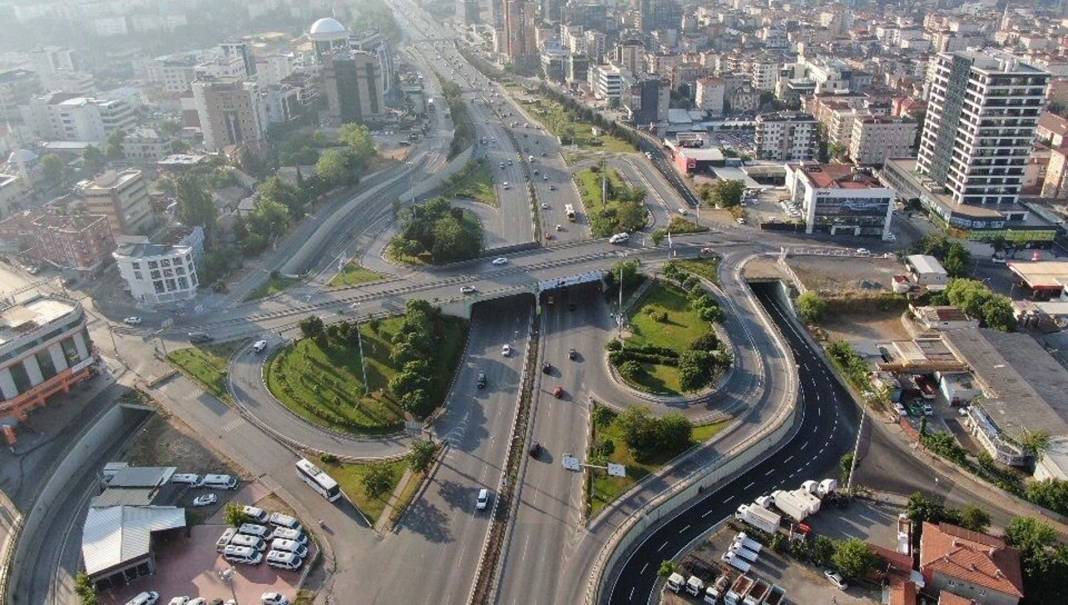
(980, 125)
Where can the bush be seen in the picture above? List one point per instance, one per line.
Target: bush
(328, 458)
(810, 306)
(854, 558)
(631, 370)
(234, 514)
(706, 342)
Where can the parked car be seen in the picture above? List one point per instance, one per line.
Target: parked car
(149, 597)
(467, 290)
(544, 205)
(482, 501)
(179, 601)
(836, 579)
(480, 382)
(284, 560)
(273, 598)
(132, 320)
(185, 478)
(205, 500)
(506, 350)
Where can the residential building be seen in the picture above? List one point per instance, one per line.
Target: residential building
(648, 101)
(630, 55)
(596, 44)
(173, 74)
(970, 564)
(710, 95)
(660, 14)
(12, 193)
(553, 63)
(1055, 184)
(353, 87)
(838, 199)
(241, 53)
(981, 120)
(17, 87)
(146, 146)
(44, 350)
(231, 113)
(123, 198)
(157, 273)
(876, 138)
(764, 71)
(785, 136)
(741, 99)
(66, 117)
(71, 242)
(607, 82)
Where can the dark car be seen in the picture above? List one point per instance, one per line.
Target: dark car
(546, 368)
(481, 382)
(535, 449)
(572, 354)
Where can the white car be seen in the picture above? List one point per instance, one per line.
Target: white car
(619, 238)
(467, 290)
(505, 185)
(483, 499)
(197, 601)
(506, 350)
(132, 320)
(179, 601)
(149, 597)
(500, 261)
(683, 211)
(863, 251)
(205, 500)
(836, 579)
(544, 205)
(273, 598)
(259, 346)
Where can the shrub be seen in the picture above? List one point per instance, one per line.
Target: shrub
(328, 458)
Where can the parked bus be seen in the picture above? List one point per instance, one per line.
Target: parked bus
(318, 480)
(569, 210)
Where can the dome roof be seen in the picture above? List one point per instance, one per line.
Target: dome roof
(327, 28)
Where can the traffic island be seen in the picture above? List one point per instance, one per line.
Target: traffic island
(368, 378)
(209, 365)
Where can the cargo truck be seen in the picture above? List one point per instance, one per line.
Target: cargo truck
(810, 486)
(717, 589)
(777, 596)
(750, 544)
(797, 504)
(695, 586)
(734, 561)
(757, 593)
(744, 553)
(739, 590)
(827, 487)
(675, 582)
(759, 517)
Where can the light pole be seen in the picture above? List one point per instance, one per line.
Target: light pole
(856, 449)
(227, 576)
(363, 362)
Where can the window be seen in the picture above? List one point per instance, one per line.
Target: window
(136, 265)
(165, 262)
(137, 276)
(70, 351)
(158, 286)
(21, 378)
(155, 274)
(44, 361)
(153, 264)
(183, 283)
(171, 285)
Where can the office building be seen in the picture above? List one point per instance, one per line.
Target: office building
(231, 113)
(981, 119)
(240, 53)
(123, 198)
(607, 82)
(353, 87)
(877, 138)
(520, 47)
(577, 69)
(44, 350)
(660, 14)
(173, 74)
(786, 135)
(630, 55)
(67, 117)
(472, 12)
(378, 45)
(648, 101)
(836, 199)
(157, 273)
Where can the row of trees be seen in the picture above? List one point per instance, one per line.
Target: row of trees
(415, 352)
(438, 232)
(954, 257)
(651, 438)
(724, 193)
(621, 210)
(977, 300)
(464, 128)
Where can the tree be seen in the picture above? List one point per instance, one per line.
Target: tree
(811, 306)
(706, 342)
(822, 550)
(414, 401)
(114, 146)
(695, 369)
(639, 431)
(724, 193)
(333, 168)
(631, 276)
(1030, 536)
(666, 569)
(631, 370)
(279, 191)
(845, 466)
(968, 295)
(974, 518)
(94, 159)
(234, 514)
(854, 558)
(421, 456)
(53, 169)
(195, 205)
(674, 431)
(922, 509)
(1051, 493)
(957, 260)
(85, 589)
(311, 327)
(358, 138)
(377, 481)
(997, 313)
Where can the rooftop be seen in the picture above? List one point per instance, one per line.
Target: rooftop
(146, 250)
(111, 179)
(30, 315)
(114, 535)
(925, 264)
(972, 557)
(1041, 274)
(838, 176)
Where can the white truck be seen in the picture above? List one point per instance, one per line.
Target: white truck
(810, 486)
(797, 504)
(739, 590)
(734, 561)
(742, 539)
(757, 593)
(744, 552)
(695, 586)
(827, 487)
(675, 582)
(717, 589)
(759, 517)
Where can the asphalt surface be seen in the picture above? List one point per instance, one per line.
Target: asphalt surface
(827, 431)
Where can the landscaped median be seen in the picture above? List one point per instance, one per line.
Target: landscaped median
(474, 181)
(353, 274)
(208, 364)
(436, 232)
(571, 126)
(612, 205)
(640, 442)
(409, 362)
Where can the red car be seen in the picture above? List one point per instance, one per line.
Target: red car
(548, 236)
(558, 392)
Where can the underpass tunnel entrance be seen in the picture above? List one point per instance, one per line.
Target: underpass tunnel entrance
(566, 290)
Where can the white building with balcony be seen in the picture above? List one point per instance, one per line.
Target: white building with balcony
(157, 274)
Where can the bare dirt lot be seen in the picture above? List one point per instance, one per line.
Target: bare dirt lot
(865, 330)
(842, 275)
(170, 442)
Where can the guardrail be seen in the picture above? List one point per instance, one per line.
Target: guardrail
(759, 445)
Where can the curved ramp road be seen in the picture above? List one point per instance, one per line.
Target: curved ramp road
(827, 430)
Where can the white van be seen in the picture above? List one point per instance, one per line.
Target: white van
(290, 546)
(250, 541)
(281, 520)
(619, 238)
(242, 554)
(284, 533)
(185, 478)
(259, 346)
(224, 540)
(218, 482)
(253, 529)
(284, 560)
(255, 513)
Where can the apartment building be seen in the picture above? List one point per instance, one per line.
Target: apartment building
(12, 193)
(353, 87)
(173, 74)
(17, 87)
(876, 138)
(68, 117)
(608, 82)
(231, 112)
(44, 350)
(157, 273)
(786, 135)
(710, 95)
(648, 101)
(146, 146)
(123, 198)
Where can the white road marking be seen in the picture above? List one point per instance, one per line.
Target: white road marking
(728, 499)
(770, 471)
(751, 484)
(661, 547)
(683, 530)
(644, 567)
(788, 459)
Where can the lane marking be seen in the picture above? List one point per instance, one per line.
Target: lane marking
(804, 445)
(644, 567)
(770, 471)
(683, 530)
(728, 499)
(661, 547)
(788, 459)
(751, 484)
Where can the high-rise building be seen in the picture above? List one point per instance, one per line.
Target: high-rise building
(472, 12)
(660, 14)
(630, 55)
(786, 135)
(123, 198)
(519, 33)
(877, 138)
(578, 68)
(353, 87)
(550, 11)
(981, 119)
(231, 112)
(648, 101)
(240, 52)
(710, 95)
(67, 117)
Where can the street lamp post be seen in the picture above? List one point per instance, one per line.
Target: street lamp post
(227, 576)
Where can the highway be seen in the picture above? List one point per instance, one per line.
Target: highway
(827, 431)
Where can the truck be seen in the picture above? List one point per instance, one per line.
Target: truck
(810, 486)
(759, 517)
(695, 586)
(717, 589)
(757, 593)
(827, 487)
(748, 543)
(569, 210)
(777, 596)
(795, 504)
(739, 590)
(675, 582)
(744, 552)
(736, 562)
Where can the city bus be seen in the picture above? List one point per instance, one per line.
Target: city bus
(569, 210)
(318, 480)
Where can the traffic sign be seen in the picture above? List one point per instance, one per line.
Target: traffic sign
(616, 470)
(572, 463)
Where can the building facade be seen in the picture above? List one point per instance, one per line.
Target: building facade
(836, 199)
(786, 136)
(353, 87)
(158, 274)
(520, 44)
(44, 350)
(231, 112)
(123, 198)
(877, 138)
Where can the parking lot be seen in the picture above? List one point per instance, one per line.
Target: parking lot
(189, 566)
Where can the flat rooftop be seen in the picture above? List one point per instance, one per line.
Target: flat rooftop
(1041, 274)
(30, 315)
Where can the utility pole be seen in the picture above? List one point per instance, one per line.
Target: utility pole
(619, 314)
(856, 449)
(363, 362)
